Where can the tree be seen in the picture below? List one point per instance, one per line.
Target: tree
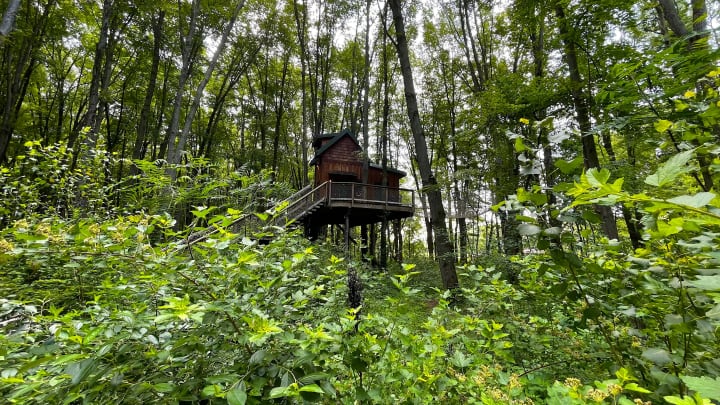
(443, 245)
(175, 151)
(582, 111)
(140, 145)
(19, 59)
(8, 20)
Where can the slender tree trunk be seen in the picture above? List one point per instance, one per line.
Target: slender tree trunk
(443, 245)
(366, 114)
(160, 142)
(188, 49)
(92, 116)
(8, 21)
(20, 60)
(174, 158)
(301, 25)
(429, 236)
(582, 112)
(384, 133)
(448, 80)
(632, 225)
(142, 129)
(279, 111)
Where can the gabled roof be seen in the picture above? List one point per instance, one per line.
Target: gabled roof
(335, 138)
(389, 169)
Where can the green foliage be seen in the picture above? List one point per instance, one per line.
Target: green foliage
(110, 316)
(43, 181)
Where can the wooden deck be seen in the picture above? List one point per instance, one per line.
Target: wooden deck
(330, 202)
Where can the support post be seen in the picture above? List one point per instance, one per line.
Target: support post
(347, 231)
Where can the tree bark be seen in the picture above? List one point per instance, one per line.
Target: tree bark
(670, 12)
(188, 49)
(19, 60)
(384, 132)
(582, 111)
(301, 25)
(92, 117)
(366, 113)
(174, 157)
(8, 21)
(140, 145)
(443, 245)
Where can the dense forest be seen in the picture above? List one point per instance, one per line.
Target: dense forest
(565, 244)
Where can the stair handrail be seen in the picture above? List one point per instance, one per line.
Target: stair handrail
(295, 195)
(301, 203)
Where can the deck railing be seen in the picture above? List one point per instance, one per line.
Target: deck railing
(369, 194)
(347, 194)
(297, 208)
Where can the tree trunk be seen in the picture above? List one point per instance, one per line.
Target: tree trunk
(366, 113)
(174, 157)
(8, 21)
(279, 111)
(92, 116)
(384, 133)
(142, 129)
(582, 111)
(443, 245)
(19, 60)
(188, 49)
(301, 25)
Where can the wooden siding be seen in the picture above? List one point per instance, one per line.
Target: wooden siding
(344, 158)
(375, 177)
(345, 149)
(327, 167)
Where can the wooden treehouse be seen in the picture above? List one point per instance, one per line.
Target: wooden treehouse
(338, 195)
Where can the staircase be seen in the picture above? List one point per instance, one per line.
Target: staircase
(302, 205)
(293, 211)
(287, 213)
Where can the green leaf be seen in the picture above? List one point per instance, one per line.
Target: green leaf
(313, 377)
(657, 356)
(662, 125)
(459, 359)
(237, 395)
(569, 167)
(706, 283)
(201, 211)
(164, 387)
(698, 200)
(680, 401)
(597, 178)
(257, 357)
(279, 392)
(528, 229)
(80, 371)
(636, 388)
(705, 386)
(670, 170)
(311, 388)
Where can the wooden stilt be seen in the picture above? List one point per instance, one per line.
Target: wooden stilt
(347, 231)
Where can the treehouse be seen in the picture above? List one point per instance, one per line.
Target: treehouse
(340, 196)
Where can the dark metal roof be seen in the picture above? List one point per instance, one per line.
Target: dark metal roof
(389, 169)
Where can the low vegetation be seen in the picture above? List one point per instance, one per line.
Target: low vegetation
(112, 309)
